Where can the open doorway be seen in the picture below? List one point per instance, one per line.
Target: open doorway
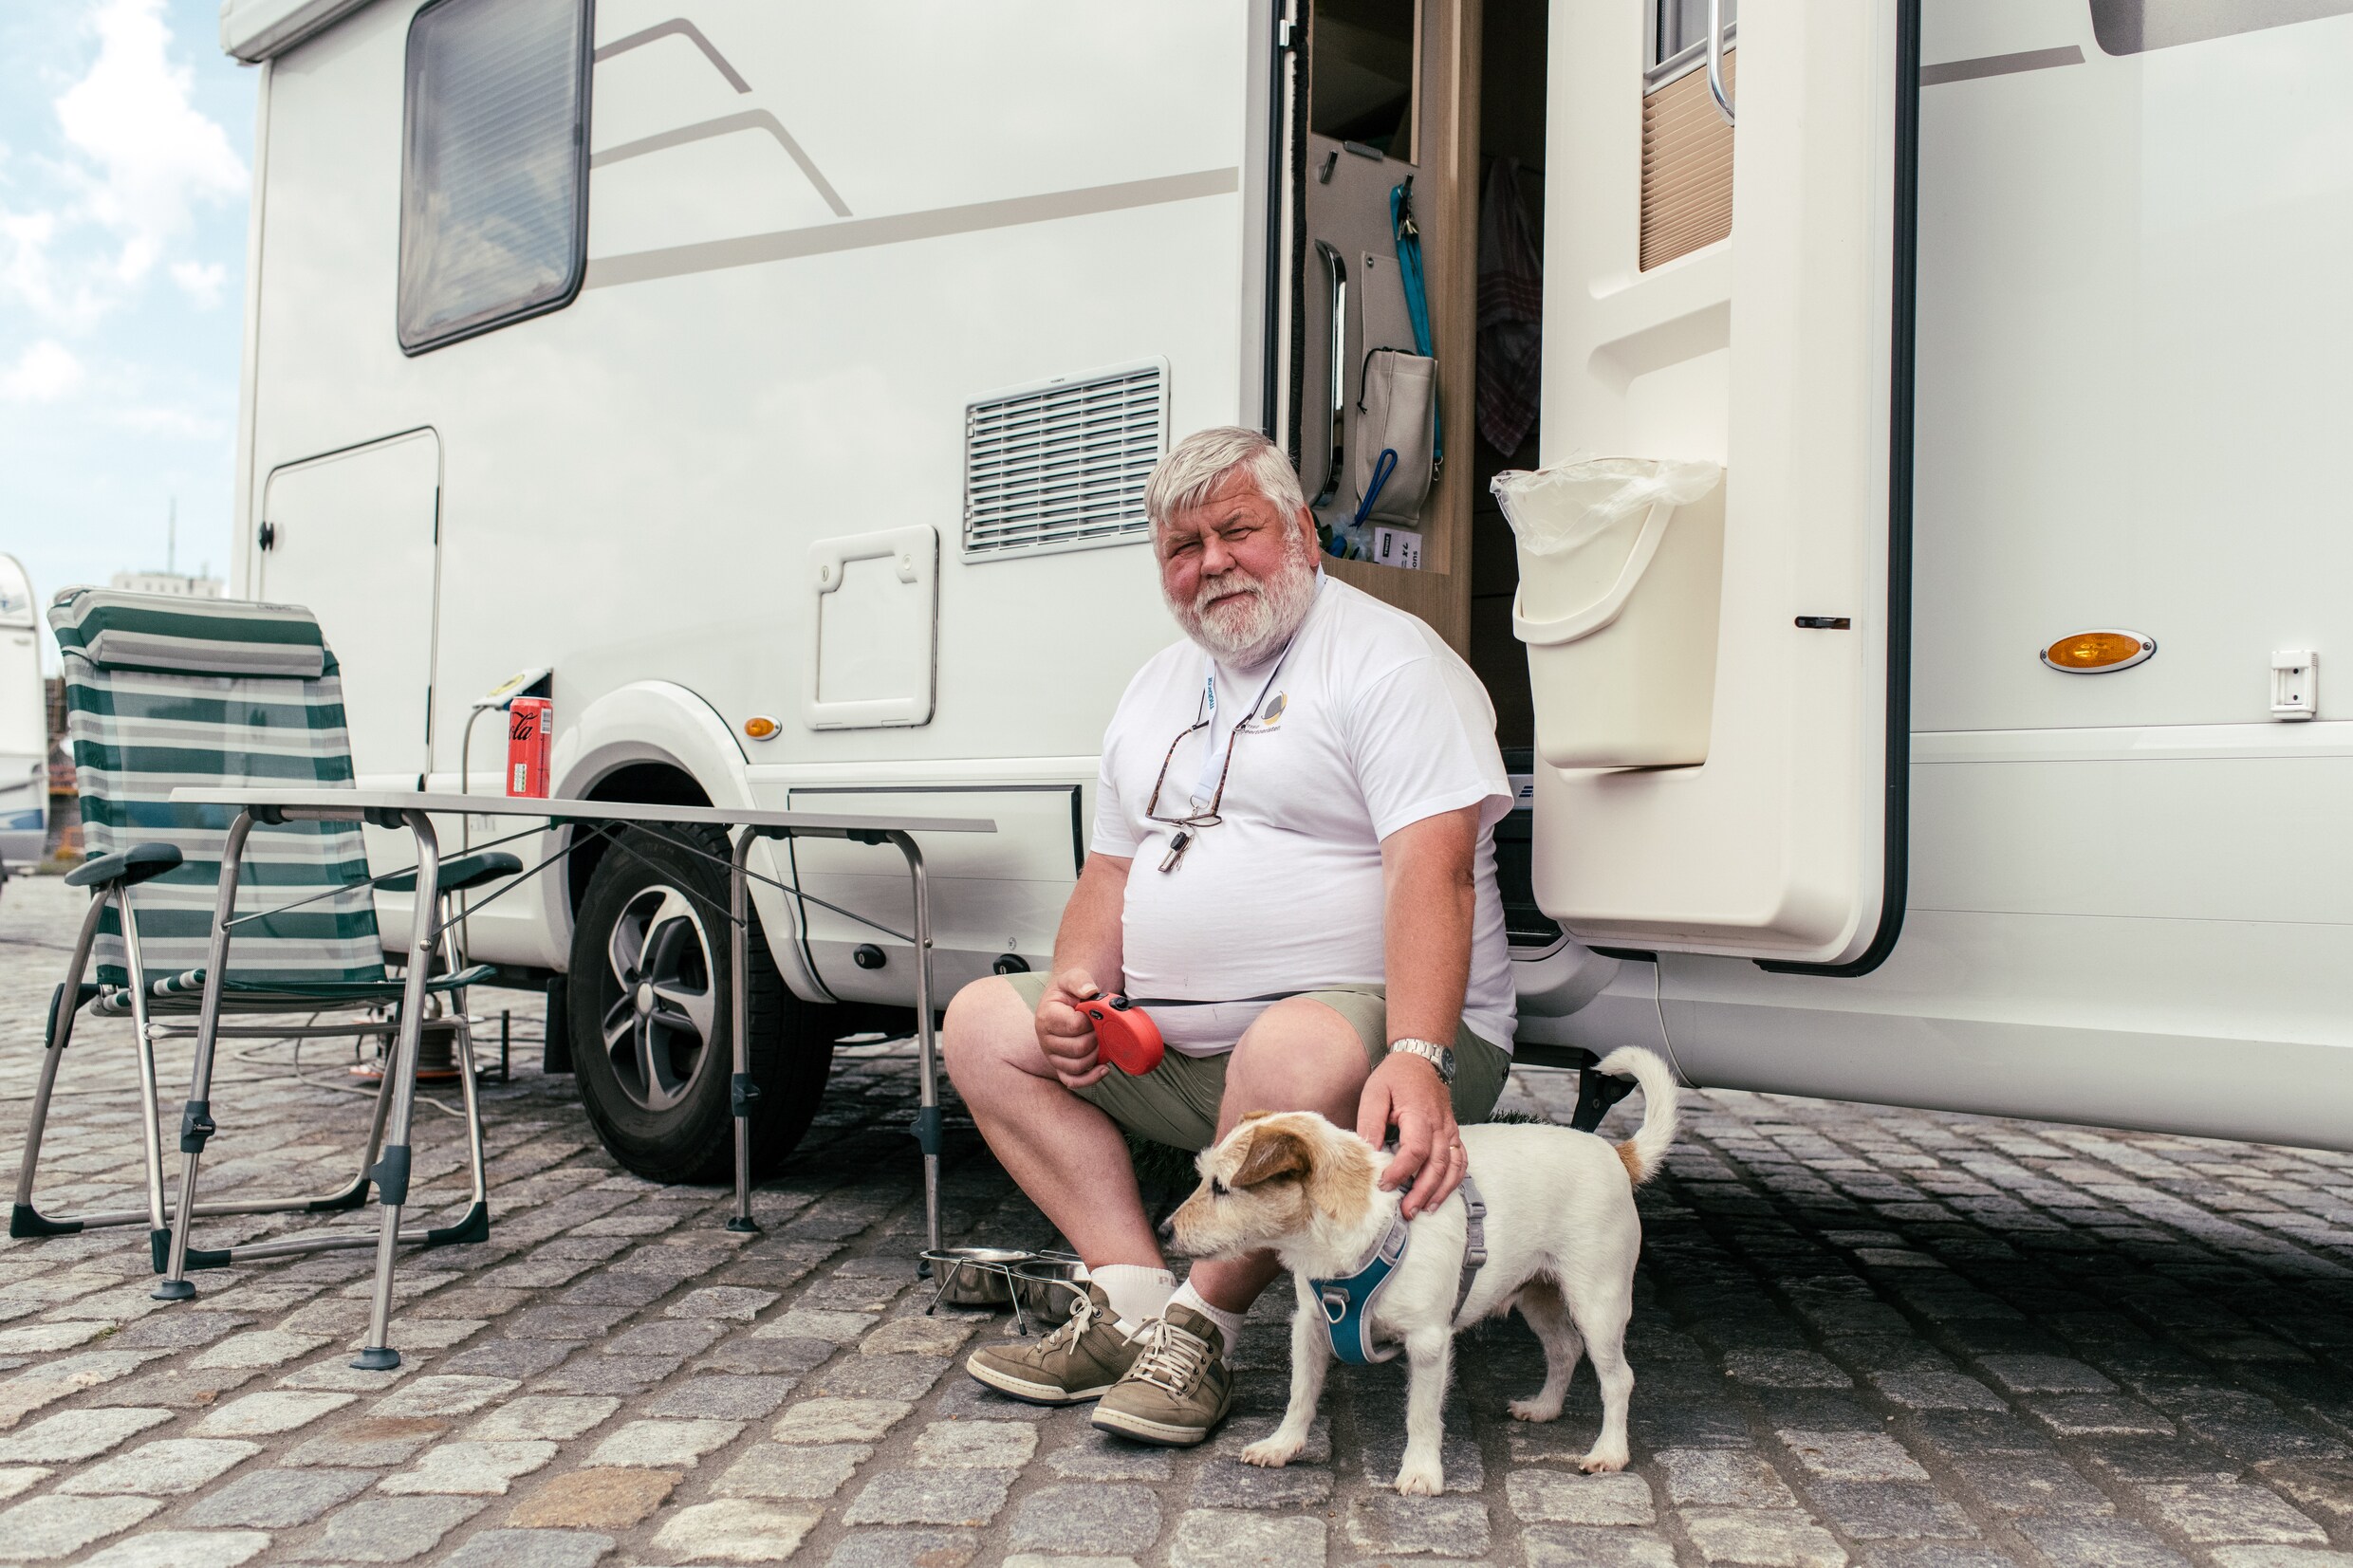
(1507, 352)
(1436, 109)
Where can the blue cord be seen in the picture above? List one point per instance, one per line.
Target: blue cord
(1383, 466)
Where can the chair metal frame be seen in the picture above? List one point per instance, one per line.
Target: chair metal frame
(383, 1165)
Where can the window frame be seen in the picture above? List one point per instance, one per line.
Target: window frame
(578, 272)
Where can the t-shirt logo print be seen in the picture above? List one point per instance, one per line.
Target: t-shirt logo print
(1272, 713)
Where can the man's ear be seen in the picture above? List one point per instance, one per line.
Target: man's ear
(1272, 1153)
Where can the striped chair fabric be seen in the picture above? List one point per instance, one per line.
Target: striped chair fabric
(162, 693)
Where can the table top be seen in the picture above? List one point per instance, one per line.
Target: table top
(317, 798)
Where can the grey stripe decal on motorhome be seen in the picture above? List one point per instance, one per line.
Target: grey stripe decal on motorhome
(677, 26)
(2000, 65)
(750, 119)
(862, 234)
(2135, 26)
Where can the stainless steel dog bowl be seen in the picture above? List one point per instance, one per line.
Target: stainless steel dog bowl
(975, 1276)
(1049, 1287)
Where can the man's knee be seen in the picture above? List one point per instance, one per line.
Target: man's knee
(1299, 1052)
(988, 1023)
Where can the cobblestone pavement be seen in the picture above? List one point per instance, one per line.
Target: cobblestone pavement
(1868, 1336)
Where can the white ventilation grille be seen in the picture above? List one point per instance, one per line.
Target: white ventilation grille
(1063, 465)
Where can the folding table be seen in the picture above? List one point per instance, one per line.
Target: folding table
(414, 810)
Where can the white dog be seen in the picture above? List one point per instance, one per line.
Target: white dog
(1561, 1232)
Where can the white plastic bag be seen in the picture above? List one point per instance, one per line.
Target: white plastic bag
(1569, 503)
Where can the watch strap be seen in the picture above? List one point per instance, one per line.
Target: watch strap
(1437, 1056)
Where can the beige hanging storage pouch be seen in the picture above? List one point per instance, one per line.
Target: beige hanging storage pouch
(1397, 411)
(1622, 564)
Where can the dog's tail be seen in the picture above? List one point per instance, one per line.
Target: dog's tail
(1643, 1153)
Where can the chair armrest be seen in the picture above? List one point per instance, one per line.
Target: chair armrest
(460, 875)
(124, 868)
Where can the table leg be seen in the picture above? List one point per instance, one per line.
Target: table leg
(742, 1092)
(195, 1123)
(927, 1117)
(391, 1171)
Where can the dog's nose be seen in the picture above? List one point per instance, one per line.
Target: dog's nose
(1168, 1228)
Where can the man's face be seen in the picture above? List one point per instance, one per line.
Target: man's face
(1237, 573)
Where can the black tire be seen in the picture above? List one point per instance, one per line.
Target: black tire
(654, 1079)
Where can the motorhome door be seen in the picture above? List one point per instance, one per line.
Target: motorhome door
(1727, 278)
(369, 513)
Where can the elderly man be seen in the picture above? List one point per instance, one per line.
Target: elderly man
(1293, 869)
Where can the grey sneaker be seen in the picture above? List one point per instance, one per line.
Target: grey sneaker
(1178, 1389)
(1079, 1361)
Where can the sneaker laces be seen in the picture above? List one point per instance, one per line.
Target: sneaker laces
(1074, 1327)
(1171, 1358)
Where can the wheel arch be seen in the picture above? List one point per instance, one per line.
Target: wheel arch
(662, 744)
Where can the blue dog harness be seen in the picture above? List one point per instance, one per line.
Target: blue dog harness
(1347, 1302)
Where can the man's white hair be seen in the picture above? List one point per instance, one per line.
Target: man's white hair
(1201, 462)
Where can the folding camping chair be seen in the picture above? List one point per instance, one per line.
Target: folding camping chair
(163, 693)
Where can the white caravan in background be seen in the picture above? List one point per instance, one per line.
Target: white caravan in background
(784, 377)
(24, 725)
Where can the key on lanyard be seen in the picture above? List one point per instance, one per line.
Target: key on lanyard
(1177, 847)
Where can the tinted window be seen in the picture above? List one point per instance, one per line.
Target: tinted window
(1682, 25)
(494, 177)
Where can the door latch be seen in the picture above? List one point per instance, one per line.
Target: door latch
(268, 535)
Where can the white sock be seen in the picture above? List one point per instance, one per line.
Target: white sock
(1137, 1292)
(1229, 1323)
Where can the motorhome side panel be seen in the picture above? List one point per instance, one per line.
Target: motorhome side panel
(811, 244)
(2128, 891)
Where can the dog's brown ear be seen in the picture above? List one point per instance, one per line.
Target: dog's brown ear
(1277, 1152)
(1253, 1116)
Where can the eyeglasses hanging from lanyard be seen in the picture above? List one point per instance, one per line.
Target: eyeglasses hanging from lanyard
(1208, 788)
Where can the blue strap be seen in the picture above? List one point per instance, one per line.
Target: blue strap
(1383, 467)
(1347, 1302)
(1407, 237)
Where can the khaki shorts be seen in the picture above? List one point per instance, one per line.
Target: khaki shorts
(1176, 1102)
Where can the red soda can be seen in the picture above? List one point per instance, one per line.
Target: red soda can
(528, 721)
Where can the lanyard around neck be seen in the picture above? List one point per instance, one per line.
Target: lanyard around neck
(1213, 761)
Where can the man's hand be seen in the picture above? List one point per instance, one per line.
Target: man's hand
(1063, 1033)
(1405, 1091)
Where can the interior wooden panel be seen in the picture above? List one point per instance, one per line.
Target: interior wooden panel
(1687, 167)
(1447, 197)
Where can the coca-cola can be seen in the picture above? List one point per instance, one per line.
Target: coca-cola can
(530, 720)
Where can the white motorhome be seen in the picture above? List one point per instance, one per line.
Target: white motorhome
(24, 725)
(784, 377)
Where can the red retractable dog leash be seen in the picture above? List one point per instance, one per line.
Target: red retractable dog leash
(1125, 1035)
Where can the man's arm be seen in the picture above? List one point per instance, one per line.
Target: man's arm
(1087, 962)
(1430, 898)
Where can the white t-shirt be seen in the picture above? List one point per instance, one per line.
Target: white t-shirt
(1370, 724)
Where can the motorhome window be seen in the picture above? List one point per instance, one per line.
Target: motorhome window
(1366, 62)
(494, 172)
(1679, 35)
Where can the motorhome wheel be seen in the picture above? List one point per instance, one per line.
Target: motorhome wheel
(648, 991)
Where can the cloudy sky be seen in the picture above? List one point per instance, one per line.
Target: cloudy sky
(125, 158)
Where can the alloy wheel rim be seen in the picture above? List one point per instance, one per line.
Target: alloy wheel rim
(660, 1030)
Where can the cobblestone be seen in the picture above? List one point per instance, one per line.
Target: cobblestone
(1860, 1336)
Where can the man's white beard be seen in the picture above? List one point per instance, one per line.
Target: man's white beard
(1253, 628)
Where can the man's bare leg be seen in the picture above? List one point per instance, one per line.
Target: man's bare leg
(1069, 1158)
(1299, 1055)
(1065, 1153)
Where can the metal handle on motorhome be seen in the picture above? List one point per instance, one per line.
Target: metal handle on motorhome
(1715, 61)
(1337, 271)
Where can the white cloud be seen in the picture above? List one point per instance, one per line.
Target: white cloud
(154, 419)
(43, 373)
(201, 281)
(141, 159)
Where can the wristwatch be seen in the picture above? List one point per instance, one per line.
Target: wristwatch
(1440, 1057)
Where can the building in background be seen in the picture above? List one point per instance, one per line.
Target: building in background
(178, 584)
